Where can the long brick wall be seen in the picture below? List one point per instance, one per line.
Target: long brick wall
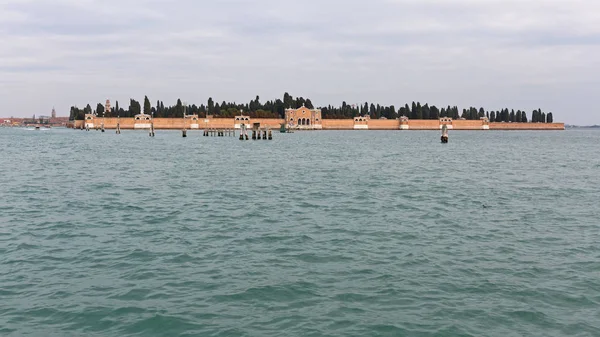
(384, 124)
(527, 126)
(338, 124)
(327, 124)
(467, 125)
(423, 124)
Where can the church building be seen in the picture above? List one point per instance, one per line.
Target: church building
(303, 118)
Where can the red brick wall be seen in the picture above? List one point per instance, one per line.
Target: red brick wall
(527, 126)
(338, 124)
(329, 124)
(384, 124)
(423, 124)
(467, 124)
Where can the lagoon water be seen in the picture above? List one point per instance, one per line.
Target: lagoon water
(332, 233)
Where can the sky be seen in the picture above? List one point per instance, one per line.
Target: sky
(516, 54)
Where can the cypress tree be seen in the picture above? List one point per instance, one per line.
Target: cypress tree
(426, 111)
(100, 109)
(413, 111)
(147, 106)
(464, 115)
(434, 112)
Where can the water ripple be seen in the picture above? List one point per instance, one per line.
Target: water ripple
(312, 234)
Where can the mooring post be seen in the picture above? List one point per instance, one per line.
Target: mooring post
(184, 133)
(242, 130)
(270, 135)
(444, 134)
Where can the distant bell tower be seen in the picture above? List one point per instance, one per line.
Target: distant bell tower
(53, 113)
(107, 107)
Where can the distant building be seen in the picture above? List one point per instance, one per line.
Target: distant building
(239, 120)
(107, 107)
(303, 118)
(53, 113)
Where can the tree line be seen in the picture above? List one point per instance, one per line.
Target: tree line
(276, 109)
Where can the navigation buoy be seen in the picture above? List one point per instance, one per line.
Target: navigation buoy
(444, 134)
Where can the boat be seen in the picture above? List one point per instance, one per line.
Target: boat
(284, 129)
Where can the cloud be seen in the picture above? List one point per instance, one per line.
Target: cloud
(520, 54)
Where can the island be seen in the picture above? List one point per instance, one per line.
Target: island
(300, 114)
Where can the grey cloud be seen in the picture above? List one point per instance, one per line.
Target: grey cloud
(523, 54)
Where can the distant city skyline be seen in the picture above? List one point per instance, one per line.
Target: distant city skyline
(495, 54)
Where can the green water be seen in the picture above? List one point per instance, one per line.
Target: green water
(356, 233)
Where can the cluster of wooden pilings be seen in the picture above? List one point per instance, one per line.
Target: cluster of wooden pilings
(262, 134)
(219, 133)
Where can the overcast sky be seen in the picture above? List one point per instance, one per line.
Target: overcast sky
(521, 54)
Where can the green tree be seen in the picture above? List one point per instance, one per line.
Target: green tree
(134, 108)
(179, 109)
(434, 112)
(211, 106)
(100, 110)
(288, 101)
(465, 114)
(426, 111)
(147, 106)
(549, 118)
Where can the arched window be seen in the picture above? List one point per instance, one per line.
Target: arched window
(308, 122)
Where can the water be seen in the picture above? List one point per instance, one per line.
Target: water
(311, 234)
